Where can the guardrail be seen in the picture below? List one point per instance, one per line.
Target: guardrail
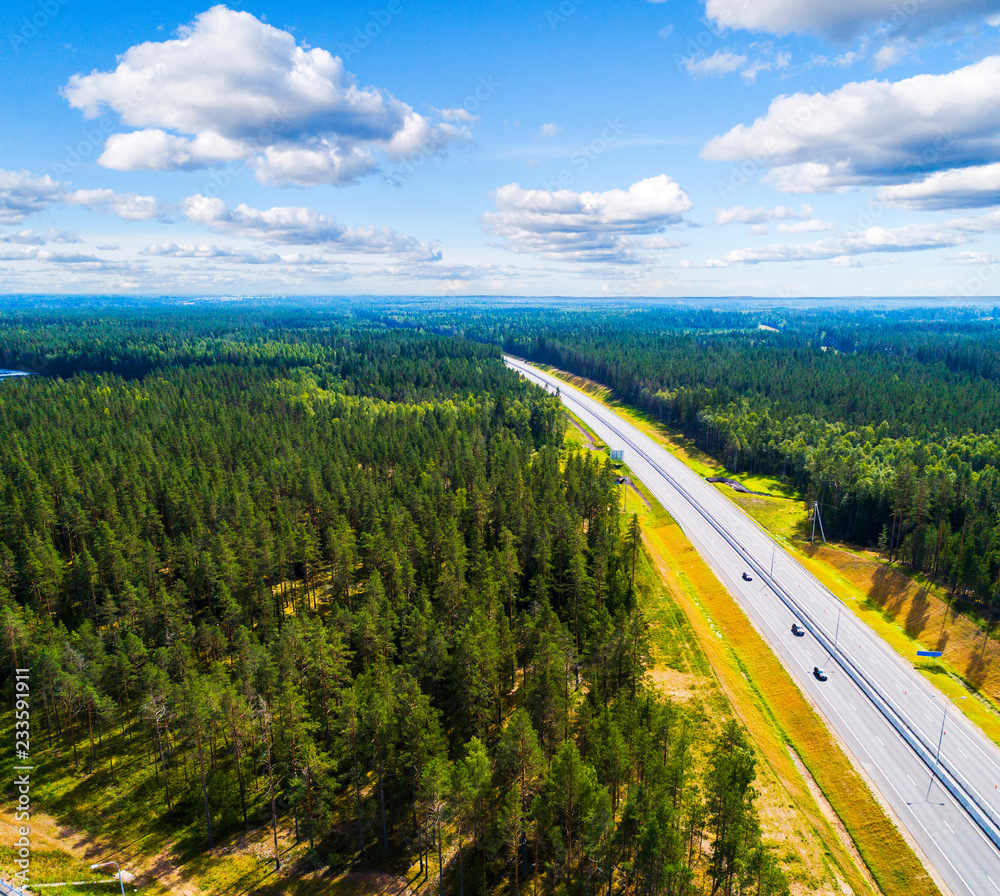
(953, 780)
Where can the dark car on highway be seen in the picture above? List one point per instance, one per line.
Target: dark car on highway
(747, 577)
(797, 630)
(819, 673)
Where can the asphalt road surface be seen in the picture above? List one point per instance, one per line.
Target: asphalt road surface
(888, 716)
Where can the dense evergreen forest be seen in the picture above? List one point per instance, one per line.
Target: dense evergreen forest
(337, 572)
(890, 419)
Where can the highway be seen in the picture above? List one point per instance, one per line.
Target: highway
(890, 719)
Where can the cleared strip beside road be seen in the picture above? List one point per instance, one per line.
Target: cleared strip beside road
(889, 717)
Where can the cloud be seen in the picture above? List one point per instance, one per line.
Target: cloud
(911, 238)
(811, 226)
(721, 62)
(958, 188)
(843, 19)
(297, 225)
(724, 62)
(843, 60)
(874, 132)
(549, 130)
(153, 149)
(23, 194)
(230, 87)
(36, 253)
(740, 214)
(970, 257)
(891, 54)
(229, 253)
(31, 238)
(762, 64)
(129, 206)
(603, 227)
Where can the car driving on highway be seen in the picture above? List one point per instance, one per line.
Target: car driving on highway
(747, 577)
(819, 673)
(797, 630)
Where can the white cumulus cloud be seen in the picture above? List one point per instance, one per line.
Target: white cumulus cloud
(586, 226)
(958, 188)
(231, 87)
(874, 133)
(23, 194)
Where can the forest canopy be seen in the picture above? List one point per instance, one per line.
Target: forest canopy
(334, 571)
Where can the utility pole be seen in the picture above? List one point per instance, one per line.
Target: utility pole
(817, 516)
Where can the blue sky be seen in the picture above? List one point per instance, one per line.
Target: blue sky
(560, 147)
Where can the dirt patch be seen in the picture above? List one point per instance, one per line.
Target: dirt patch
(679, 686)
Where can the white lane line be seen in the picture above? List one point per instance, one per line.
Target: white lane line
(973, 738)
(879, 739)
(948, 826)
(904, 804)
(995, 887)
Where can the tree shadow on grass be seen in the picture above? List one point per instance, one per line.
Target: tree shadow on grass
(919, 613)
(888, 591)
(975, 670)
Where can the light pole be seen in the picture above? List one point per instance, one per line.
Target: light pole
(119, 867)
(937, 754)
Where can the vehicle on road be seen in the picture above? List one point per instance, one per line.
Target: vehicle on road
(797, 630)
(747, 577)
(819, 673)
